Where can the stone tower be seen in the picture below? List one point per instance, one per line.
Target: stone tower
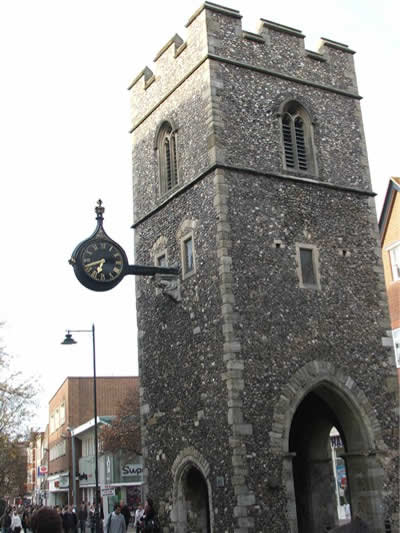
(250, 172)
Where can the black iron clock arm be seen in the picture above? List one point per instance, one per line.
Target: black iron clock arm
(143, 270)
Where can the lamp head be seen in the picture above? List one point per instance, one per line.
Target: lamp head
(68, 339)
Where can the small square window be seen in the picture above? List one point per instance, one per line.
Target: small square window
(307, 259)
(395, 262)
(188, 256)
(307, 266)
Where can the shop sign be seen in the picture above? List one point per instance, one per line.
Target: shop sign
(60, 483)
(109, 475)
(64, 482)
(131, 469)
(42, 470)
(86, 470)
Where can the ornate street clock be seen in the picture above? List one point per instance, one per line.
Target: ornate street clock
(100, 263)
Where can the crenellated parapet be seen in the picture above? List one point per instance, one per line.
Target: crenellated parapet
(215, 33)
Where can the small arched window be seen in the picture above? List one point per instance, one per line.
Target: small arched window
(297, 138)
(166, 146)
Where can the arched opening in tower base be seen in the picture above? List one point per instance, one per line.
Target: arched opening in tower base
(192, 503)
(313, 464)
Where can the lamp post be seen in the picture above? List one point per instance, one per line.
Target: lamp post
(69, 340)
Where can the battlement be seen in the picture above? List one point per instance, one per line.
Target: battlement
(215, 32)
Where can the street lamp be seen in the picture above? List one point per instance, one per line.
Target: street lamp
(69, 340)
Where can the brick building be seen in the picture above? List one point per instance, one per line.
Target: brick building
(250, 172)
(389, 228)
(37, 457)
(31, 470)
(70, 407)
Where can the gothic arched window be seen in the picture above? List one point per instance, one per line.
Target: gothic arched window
(297, 138)
(166, 146)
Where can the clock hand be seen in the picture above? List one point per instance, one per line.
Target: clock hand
(100, 267)
(102, 261)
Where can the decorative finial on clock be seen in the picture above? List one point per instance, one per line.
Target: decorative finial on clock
(99, 211)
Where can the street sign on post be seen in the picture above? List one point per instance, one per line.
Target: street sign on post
(107, 490)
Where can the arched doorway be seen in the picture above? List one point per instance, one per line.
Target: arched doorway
(192, 505)
(325, 407)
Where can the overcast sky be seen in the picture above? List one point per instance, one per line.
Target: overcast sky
(64, 122)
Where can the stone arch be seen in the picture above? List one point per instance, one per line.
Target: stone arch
(159, 247)
(186, 226)
(280, 106)
(161, 125)
(189, 461)
(337, 401)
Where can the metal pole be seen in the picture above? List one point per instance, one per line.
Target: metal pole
(74, 492)
(97, 514)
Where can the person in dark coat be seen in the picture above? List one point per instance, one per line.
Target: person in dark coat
(68, 520)
(125, 512)
(149, 520)
(82, 517)
(5, 521)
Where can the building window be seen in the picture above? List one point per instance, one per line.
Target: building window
(166, 146)
(58, 450)
(52, 428)
(62, 414)
(307, 266)
(395, 261)
(297, 138)
(396, 342)
(188, 259)
(88, 448)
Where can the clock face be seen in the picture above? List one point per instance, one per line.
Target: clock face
(102, 261)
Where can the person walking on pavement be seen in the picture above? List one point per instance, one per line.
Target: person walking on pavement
(68, 520)
(82, 517)
(16, 524)
(126, 513)
(116, 521)
(26, 520)
(92, 519)
(138, 515)
(149, 521)
(5, 521)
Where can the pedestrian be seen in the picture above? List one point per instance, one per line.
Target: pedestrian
(74, 518)
(47, 520)
(116, 521)
(149, 521)
(82, 517)
(138, 515)
(5, 520)
(26, 520)
(92, 519)
(125, 512)
(68, 520)
(16, 523)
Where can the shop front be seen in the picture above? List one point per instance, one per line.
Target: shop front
(87, 479)
(121, 479)
(58, 489)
